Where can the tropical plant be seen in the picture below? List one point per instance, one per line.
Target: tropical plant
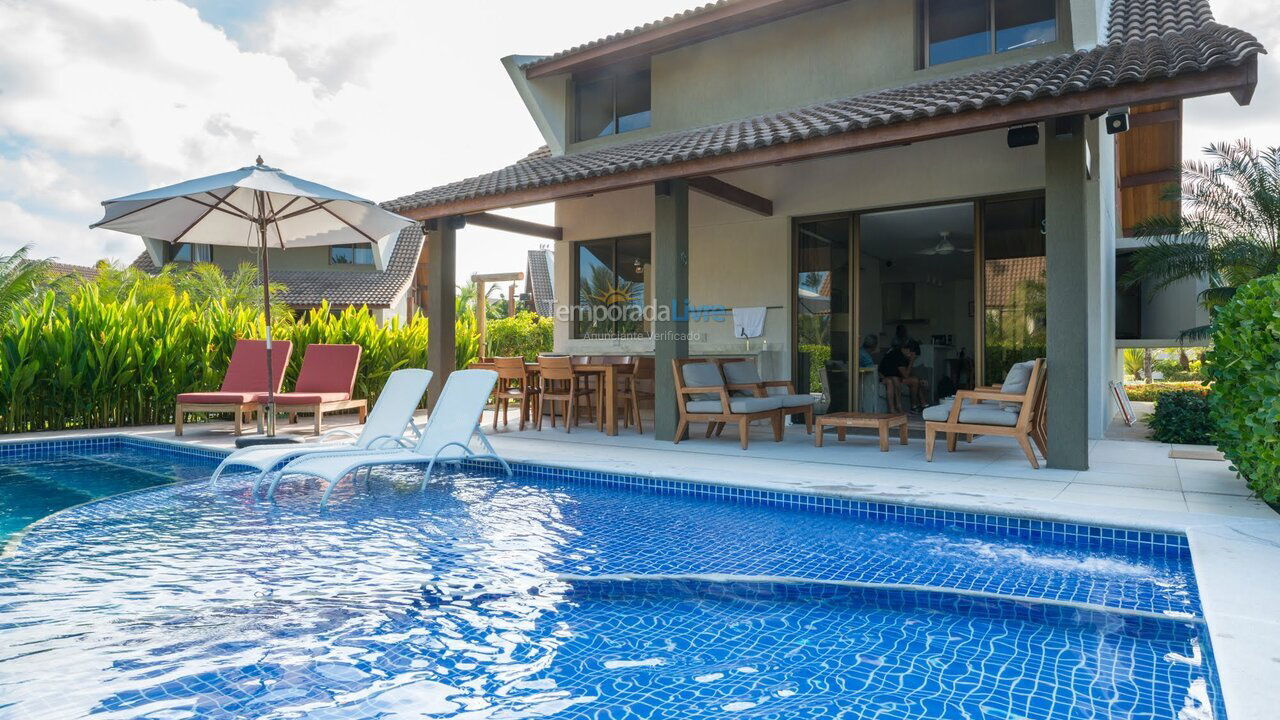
(1244, 367)
(20, 278)
(527, 334)
(206, 281)
(115, 283)
(1181, 416)
(89, 360)
(1228, 233)
(1150, 392)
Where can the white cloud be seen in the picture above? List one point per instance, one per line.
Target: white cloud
(1218, 118)
(101, 98)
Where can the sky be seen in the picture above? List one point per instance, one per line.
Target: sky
(380, 98)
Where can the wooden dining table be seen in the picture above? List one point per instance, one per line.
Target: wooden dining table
(608, 374)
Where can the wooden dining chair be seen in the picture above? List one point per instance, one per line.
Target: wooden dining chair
(513, 384)
(637, 387)
(560, 384)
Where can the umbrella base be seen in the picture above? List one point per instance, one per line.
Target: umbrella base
(245, 442)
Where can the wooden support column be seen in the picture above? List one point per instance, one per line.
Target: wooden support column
(670, 297)
(441, 310)
(1066, 250)
(482, 312)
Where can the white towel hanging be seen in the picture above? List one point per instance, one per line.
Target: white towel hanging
(748, 322)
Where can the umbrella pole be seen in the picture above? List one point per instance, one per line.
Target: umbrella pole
(265, 270)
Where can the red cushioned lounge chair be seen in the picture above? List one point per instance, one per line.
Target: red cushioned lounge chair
(246, 378)
(325, 384)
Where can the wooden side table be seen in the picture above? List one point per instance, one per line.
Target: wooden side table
(880, 421)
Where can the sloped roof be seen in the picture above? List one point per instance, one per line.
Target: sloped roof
(1150, 40)
(375, 288)
(539, 282)
(83, 271)
(693, 12)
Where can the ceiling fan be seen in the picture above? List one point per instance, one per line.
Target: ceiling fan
(944, 246)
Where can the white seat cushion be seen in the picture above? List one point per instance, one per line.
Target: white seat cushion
(987, 415)
(792, 401)
(737, 405)
(1015, 383)
(937, 413)
(702, 374)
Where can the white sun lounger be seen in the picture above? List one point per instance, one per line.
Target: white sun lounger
(385, 427)
(447, 437)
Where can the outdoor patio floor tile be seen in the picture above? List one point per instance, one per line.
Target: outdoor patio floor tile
(1138, 498)
(1229, 505)
(1167, 480)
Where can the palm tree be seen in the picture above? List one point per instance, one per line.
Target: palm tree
(206, 281)
(1229, 229)
(20, 279)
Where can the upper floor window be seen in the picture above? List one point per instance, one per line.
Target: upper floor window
(350, 254)
(958, 29)
(190, 253)
(610, 102)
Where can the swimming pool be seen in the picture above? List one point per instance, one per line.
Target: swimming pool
(580, 595)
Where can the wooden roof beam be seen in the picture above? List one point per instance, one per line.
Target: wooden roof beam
(515, 225)
(732, 194)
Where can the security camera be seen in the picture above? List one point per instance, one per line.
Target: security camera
(1117, 121)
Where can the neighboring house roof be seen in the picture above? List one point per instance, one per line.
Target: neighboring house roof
(1006, 279)
(1151, 40)
(375, 288)
(539, 283)
(85, 272)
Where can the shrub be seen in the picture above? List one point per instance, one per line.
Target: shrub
(1244, 366)
(819, 356)
(526, 334)
(91, 361)
(1143, 392)
(1181, 416)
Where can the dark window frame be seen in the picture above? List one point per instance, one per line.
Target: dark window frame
(355, 249)
(575, 322)
(922, 33)
(612, 74)
(172, 251)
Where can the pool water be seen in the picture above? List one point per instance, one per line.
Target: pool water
(535, 597)
(34, 488)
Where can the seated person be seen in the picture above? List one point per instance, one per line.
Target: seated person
(895, 373)
(902, 339)
(869, 345)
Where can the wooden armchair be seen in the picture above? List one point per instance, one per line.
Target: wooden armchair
(977, 412)
(702, 396)
(742, 378)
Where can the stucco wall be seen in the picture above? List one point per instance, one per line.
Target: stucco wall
(838, 51)
(738, 259)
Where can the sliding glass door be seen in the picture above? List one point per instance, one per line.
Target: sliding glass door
(823, 248)
(1013, 268)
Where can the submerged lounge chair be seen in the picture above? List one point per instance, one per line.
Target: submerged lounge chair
(325, 384)
(245, 380)
(447, 437)
(392, 415)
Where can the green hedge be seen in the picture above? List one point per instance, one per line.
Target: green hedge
(89, 362)
(1181, 416)
(1244, 367)
(1144, 392)
(526, 334)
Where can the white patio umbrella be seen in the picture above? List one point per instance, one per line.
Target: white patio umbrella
(230, 208)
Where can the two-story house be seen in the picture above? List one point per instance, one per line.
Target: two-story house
(382, 275)
(960, 173)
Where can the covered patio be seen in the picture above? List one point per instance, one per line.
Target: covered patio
(930, 143)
